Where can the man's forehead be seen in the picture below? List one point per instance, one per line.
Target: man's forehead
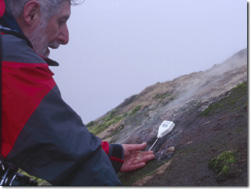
(64, 9)
(65, 4)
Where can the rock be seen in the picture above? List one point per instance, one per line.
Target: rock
(165, 154)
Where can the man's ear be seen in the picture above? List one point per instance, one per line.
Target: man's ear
(31, 12)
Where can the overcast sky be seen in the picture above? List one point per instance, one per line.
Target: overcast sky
(119, 47)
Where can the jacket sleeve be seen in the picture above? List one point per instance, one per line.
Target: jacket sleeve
(115, 153)
(55, 145)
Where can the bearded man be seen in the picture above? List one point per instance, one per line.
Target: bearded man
(41, 134)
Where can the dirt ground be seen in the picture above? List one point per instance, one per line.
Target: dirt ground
(189, 165)
(221, 128)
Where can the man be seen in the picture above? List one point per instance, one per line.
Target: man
(41, 134)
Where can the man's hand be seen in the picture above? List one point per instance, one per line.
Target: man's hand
(134, 158)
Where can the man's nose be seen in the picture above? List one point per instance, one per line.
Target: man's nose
(63, 37)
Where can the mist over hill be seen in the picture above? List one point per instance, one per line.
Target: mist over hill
(208, 145)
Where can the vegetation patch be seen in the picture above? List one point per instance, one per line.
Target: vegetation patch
(232, 102)
(162, 96)
(224, 165)
(110, 115)
(134, 110)
(96, 129)
(110, 119)
(90, 124)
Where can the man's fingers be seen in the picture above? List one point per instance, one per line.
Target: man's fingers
(143, 158)
(142, 146)
(137, 166)
(137, 160)
(142, 153)
(135, 147)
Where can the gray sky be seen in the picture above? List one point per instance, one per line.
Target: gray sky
(119, 47)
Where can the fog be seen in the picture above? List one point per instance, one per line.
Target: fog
(119, 47)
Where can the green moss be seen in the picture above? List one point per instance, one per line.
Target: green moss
(134, 110)
(110, 115)
(162, 96)
(221, 164)
(224, 170)
(110, 119)
(232, 102)
(90, 124)
(96, 129)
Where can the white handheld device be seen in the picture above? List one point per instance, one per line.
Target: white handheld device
(165, 128)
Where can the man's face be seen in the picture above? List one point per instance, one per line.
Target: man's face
(55, 30)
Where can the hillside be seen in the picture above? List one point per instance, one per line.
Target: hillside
(207, 147)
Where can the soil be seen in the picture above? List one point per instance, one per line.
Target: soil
(204, 138)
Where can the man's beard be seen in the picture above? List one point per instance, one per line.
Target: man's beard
(39, 40)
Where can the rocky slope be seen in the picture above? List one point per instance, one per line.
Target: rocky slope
(208, 145)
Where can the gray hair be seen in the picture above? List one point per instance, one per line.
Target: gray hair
(48, 8)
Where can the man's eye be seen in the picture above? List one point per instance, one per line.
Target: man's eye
(61, 22)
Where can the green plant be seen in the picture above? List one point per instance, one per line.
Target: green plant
(110, 115)
(222, 163)
(162, 96)
(134, 110)
(90, 124)
(102, 126)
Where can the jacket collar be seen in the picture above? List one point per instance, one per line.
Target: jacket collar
(8, 21)
(50, 61)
